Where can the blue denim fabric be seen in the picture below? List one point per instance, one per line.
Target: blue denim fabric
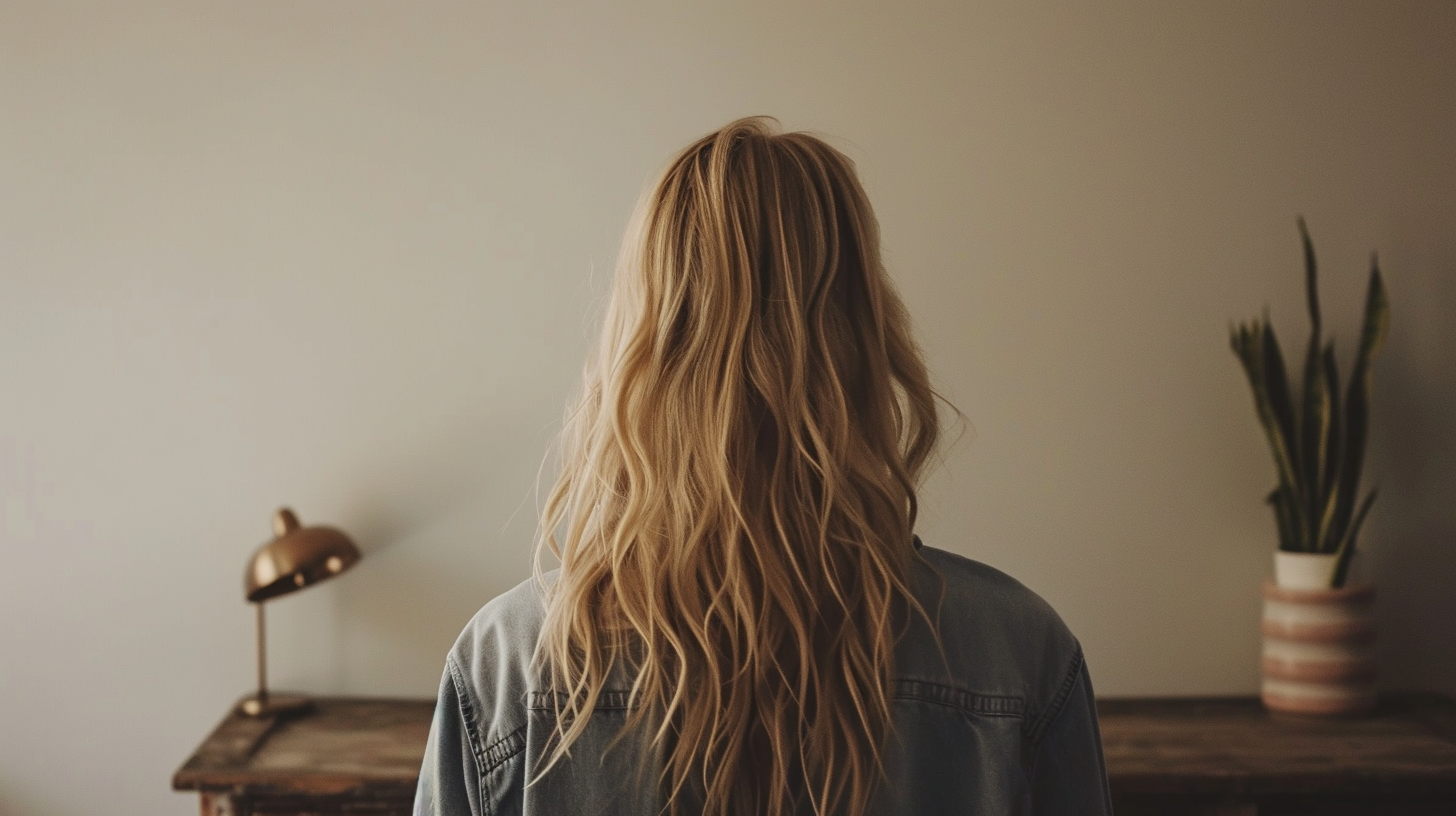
(1004, 724)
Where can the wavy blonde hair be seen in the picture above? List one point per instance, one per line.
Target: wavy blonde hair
(734, 513)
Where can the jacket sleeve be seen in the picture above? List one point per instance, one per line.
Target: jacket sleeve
(450, 776)
(1067, 775)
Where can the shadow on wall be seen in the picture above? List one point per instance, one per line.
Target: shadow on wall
(400, 622)
(447, 527)
(1413, 547)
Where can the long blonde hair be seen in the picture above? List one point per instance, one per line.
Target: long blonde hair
(738, 489)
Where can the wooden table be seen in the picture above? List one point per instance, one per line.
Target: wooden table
(1169, 757)
(353, 756)
(1230, 756)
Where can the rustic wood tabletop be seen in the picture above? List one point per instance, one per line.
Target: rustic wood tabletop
(346, 755)
(1230, 755)
(1164, 756)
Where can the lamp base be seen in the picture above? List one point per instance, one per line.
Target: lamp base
(273, 705)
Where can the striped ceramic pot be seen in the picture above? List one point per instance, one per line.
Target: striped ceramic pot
(1319, 647)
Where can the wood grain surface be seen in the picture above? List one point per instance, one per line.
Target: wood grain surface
(1164, 756)
(1234, 746)
(356, 747)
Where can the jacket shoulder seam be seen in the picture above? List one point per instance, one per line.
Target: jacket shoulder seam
(466, 703)
(1039, 726)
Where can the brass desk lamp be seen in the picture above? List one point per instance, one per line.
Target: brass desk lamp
(296, 557)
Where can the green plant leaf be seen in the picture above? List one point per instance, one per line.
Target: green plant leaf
(1347, 546)
(1357, 401)
(1276, 385)
(1334, 449)
(1326, 539)
(1314, 415)
(1377, 314)
(1314, 433)
(1311, 285)
(1284, 519)
(1251, 343)
(1281, 406)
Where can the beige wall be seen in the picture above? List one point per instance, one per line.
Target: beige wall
(346, 255)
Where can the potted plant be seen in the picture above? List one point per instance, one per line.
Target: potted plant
(1318, 626)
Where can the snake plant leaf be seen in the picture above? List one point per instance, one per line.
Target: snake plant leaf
(1276, 385)
(1313, 431)
(1251, 344)
(1247, 341)
(1314, 411)
(1357, 402)
(1284, 519)
(1327, 541)
(1377, 314)
(1311, 284)
(1334, 438)
(1281, 407)
(1347, 546)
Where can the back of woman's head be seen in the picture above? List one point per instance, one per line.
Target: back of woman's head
(734, 513)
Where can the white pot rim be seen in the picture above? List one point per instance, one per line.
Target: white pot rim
(1302, 570)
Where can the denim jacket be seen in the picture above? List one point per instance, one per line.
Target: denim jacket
(1004, 724)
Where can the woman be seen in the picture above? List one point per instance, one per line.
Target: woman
(743, 621)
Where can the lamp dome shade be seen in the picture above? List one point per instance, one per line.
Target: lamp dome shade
(297, 557)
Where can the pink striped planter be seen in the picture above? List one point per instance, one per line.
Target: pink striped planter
(1319, 650)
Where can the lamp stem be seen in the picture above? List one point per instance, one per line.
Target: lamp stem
(262, 658)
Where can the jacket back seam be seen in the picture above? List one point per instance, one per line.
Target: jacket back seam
(607, 700)
(971, 702)
(503, 749)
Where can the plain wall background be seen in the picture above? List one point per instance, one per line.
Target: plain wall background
(347, 256)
